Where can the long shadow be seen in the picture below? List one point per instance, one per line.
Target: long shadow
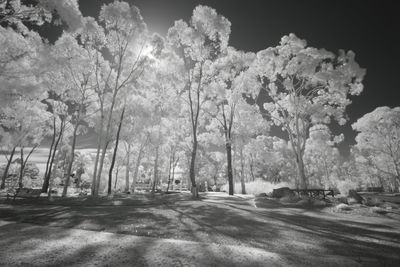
(347, 238)
(290, 233)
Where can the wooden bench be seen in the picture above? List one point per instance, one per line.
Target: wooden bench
(375, 189)
(25, 193)
(315, 192)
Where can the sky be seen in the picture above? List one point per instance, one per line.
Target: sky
(369, 28)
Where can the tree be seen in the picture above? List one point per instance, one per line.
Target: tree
(134, 134)
(303, 86)
(322, 158)
(21, 64)
(23, 57)
(198, 43)
(126, 40)
(16, 13)
(24, 123)
(378, 141)
(58, 123)
(226, 97)
(74, 65)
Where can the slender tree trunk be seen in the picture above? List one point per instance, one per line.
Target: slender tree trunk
(115, 152)
(48, 174)
(107, 134)
(53, 139)
(242, 180)
(127, 169)
(116, 179)
(173, 171)
(23, 164)
(72, 155)
(229, 161)
(136, 171)
(192, 174)
(55, 166)
(96, 163)
(5, 174)
(251, 164)
(171, 160)
(101, 163)
(21, 170)
(155, 177)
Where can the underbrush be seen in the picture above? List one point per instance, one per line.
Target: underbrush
(345, 186)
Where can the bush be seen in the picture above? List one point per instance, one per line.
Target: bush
(345, 186)
(342, 207)
(378, 210)
(290, 199)
(256, 187)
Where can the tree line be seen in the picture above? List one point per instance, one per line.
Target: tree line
(187, 101)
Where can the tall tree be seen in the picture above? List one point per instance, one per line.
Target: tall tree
(58, 123)
(304, 86)
(25, 124)
(322, 157)
(378, 140)
(227, 104)
(126, 40)
(198, 42)
(77, 72)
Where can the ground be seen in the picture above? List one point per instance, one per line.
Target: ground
(174, 230)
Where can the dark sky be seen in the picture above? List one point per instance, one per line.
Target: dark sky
(366, 27)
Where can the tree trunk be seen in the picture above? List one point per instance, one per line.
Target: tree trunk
(55, 166)
(107, 134)
(229, 161)
(396, 184)
(192, 175)
(100, 170)
(71, 159)
(396, 178)
(94, 178)
(251, 163)
(173, 171)
(127, 169)
(46, 181)
(155, 177)
(53, 139)
(23, 164)
(116, 179)
(115, 152)
(136, 171)
(99, 142)
(21, 170)
(242, 178)
(5, 174)
(301, 172)
(171, 161)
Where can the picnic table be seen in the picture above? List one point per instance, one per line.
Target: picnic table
(314, 192)
(25, 193)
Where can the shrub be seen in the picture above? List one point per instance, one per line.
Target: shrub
(378, 210)
(345, 186)
(342, 207)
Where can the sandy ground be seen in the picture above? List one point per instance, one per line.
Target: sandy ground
(173, 230)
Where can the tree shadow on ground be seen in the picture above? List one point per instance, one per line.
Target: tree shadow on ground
(299, 234)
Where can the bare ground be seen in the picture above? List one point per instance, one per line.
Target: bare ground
(173, 230)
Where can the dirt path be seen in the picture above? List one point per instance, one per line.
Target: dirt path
(221, 230)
